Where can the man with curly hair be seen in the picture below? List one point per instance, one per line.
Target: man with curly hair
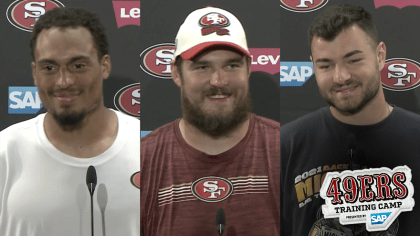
(43, 161)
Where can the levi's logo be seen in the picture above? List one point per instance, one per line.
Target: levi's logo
(396, 3)
(214, 22)
(127, 13)
(212, 189)
(265, 59)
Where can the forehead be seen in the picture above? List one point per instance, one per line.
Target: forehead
(64, 42)
(218, 54)
(350, 39)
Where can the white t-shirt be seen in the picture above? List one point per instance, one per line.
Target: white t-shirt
(43, 191)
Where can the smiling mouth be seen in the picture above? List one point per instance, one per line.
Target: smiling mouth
(218, 96)
(348, 89)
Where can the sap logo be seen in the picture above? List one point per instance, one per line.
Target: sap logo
(379, 218)
(24, 100)
(295, 73)
(127, 13)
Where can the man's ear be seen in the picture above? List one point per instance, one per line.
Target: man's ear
(176, 77)
(106, 66)
(33, 66)
(381, 55)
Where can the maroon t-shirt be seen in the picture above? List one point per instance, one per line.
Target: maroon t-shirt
(181, 188)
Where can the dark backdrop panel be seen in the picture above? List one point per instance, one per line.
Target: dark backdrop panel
(160, 23)
(397, 28)
(15, 59)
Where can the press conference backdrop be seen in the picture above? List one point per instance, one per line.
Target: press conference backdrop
(160, 21)
(19, 99)
(397, 25)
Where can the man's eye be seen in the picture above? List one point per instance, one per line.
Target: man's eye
(47, 68)
(233, 65)
(324, 67)
(79, 66)
(355, 60)
(201, 67)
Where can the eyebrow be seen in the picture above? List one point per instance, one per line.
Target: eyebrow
(345, 56)
(73, 59)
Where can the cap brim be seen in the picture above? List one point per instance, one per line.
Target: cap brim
(194, 51)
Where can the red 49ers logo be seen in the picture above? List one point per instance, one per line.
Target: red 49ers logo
(23, 14)
(400, 74)
(214, 22)
(135, 179)
(302, 6)
(156, 60)
(212, 189)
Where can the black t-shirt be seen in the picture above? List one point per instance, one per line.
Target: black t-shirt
(318, 143)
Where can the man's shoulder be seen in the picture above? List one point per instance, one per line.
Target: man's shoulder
(163, 131)
(128, 119)
(269, 123)
(406, 115)
(21, 126)
(304, 124)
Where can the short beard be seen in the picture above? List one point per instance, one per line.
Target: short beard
(371, 92)
(213, 125)
(71, 121)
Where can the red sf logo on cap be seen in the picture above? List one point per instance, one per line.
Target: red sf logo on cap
(214, 22)
(212, 189)
(400, 74)
(23, 14)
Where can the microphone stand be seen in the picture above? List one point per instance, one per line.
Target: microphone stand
(91, 181)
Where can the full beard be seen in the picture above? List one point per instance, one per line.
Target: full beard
(351, 108)
(216, 125)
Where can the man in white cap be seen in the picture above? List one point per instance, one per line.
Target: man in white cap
(218, 167)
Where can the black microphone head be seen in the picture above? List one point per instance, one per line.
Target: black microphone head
(91, 179)
(351, 141)
(220, 217)
(220, 221)
(91, 175)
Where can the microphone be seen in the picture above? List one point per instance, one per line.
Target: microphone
(220, 221)
(91, 184)
(351, 149)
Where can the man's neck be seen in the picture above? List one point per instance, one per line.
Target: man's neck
(96, 134)
(210, 145)
(374, 112)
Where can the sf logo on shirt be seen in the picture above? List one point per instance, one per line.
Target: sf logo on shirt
(212, 189)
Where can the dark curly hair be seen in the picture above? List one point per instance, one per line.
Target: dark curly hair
(335, 19)
(71, 17)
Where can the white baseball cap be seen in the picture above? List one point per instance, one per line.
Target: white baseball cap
(208, 27)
